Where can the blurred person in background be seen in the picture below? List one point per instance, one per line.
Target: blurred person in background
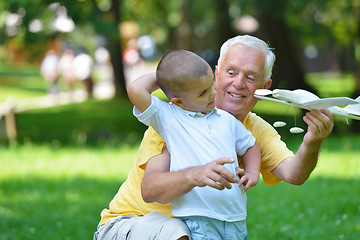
(49, 70)
(66, 68)
(83, 67)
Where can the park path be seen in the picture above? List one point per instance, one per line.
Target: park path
(102, 90)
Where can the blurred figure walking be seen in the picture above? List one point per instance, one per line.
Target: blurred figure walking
(83, 67)
(49, 71)
(66, 68)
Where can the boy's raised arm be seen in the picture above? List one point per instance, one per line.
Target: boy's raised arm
(252, 163)
(139, 91)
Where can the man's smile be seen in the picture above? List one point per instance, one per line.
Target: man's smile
(236, 95)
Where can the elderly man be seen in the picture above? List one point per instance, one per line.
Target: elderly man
(142, 207)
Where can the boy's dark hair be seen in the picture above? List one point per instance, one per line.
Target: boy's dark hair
(177, 68)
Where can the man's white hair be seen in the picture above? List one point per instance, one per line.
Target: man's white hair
(252, 42)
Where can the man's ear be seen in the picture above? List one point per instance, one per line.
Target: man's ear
(177, 101)
(267, 84)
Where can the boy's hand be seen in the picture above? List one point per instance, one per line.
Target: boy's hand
(213, 174)
(248, 179)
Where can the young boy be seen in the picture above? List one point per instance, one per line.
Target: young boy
(196, 132)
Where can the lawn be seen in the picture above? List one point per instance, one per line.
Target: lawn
(70, 160)
(48, 193)
(19, 82)
(50, 187)
(327, 206)
(51, 192)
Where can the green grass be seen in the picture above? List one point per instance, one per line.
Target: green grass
(19, 82)
(332, 85)
(48, 193)
(327, 206)
(58, 193)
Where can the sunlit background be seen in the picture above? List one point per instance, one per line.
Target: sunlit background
(308, 36)
(68, 137)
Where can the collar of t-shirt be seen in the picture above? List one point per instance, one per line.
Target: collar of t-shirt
(198, 114)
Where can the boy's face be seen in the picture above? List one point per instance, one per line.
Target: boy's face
(201, 95)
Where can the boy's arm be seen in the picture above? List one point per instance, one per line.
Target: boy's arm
(139, 91)
(252, 163)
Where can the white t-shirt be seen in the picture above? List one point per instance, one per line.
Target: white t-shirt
(195, 139)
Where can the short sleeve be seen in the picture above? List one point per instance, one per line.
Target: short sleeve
(151, 145)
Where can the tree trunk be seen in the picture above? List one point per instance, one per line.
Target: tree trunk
(116, 53)
(357, 81)
(357, 58)
(118, 67)
(288, 70)
(223, 22)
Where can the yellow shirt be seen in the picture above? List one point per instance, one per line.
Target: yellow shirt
(128, 199)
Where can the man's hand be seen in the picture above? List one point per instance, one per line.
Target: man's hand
(296, 170)
(320, 124)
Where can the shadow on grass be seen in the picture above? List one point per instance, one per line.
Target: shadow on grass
(111, 123)
(92, 123)
(65, 208)
(322, 208)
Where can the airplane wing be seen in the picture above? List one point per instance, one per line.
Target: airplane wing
(306, 100)
(344, 112)
(329, 102)
(353, 110)
(294, 98)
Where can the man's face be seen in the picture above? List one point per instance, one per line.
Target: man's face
(241, 73)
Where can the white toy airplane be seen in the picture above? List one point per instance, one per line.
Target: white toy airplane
(307, 100)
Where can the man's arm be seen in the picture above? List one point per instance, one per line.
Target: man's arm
(139, 91)
(160, 185)
(296, 170)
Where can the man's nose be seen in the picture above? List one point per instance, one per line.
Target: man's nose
(239, 81)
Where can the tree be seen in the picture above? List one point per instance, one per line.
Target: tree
(332, 24)
(223, 22)
(288, 71)
(106, 23)
(343, 20)
(89, 17)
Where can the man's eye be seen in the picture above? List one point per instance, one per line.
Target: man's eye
(251, 78)
(231, 73)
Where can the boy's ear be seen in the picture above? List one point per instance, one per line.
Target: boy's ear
(177, 101)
